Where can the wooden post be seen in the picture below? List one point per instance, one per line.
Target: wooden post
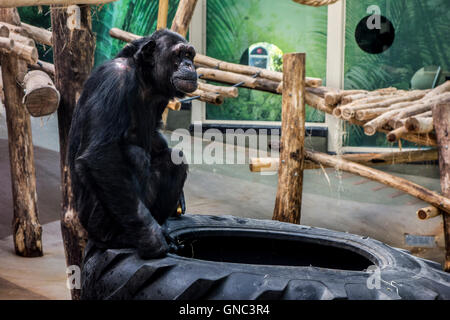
(73, 59)
(161, 23)
(183, 16)
(26, 227)
(441, 120)
(290, 174)
(163, 9)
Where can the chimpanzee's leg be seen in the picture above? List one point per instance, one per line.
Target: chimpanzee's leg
(160, 181)
(171, 183)
(121, 218)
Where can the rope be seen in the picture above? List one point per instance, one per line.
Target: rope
(316, 3)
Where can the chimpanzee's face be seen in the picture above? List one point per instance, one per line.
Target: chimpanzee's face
(168, 63)
(184, 78)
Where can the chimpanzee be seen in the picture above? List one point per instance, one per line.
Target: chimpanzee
(124, 182)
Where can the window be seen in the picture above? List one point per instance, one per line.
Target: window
(419, 31)
(257, 32)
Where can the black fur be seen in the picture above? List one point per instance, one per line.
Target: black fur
(124, 183)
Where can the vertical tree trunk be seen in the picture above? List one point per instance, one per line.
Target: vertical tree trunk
(183, 16)
(441, 120)
(290, 173)
(73, 58)
(163, 10)
(26, 227)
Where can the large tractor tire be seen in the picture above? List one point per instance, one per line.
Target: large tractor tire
(227, 257)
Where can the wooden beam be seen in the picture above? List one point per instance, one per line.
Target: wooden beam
(38, 34)
(290, 174)
(27, 231)
(207, 96)
(183, 16)
(228, 92)
(368, 159)
(20, 50)
(415, 190)
(41, 96)
(163, 10)
(73, 59)
(27, 3)
(441, 120)
(47, 67)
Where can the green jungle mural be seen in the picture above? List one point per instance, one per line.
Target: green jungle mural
(232, 26)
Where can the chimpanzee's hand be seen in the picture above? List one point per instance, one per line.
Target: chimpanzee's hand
(174, 245)
(153, 243)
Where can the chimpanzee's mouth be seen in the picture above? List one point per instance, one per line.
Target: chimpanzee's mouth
(186, 85)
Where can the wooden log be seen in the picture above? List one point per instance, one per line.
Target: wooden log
(333, 98)
(24, 40)
(443, 88)
(420, 107)
(319, 91)
(183, 16)
(27, 3)
(21, 51)
(228, 92)
(317, 103)
(368, 159)
(6, 45)
(415, 190)
(73, 59)
(227, 77)
(381, 102)
(349, 111)
(41, 96)
(428, 213)
(207, 96)
(441, 118)
(123, 35)
(47, 67)
(4, 31)
(161, 23)
(39, 35)
(24, 52)
(163, 10)
(27, 231)
(419, 124)
(174, 104)
(396, 134)
(290, 174)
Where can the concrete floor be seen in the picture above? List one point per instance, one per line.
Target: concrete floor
(331, 199)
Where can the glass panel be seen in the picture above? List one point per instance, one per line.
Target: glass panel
(419, 47)
(256, 32)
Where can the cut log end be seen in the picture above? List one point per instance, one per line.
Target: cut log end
(41, 96)
(369, 130)
(428, 213)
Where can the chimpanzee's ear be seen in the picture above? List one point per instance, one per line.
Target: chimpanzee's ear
(145, 52)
